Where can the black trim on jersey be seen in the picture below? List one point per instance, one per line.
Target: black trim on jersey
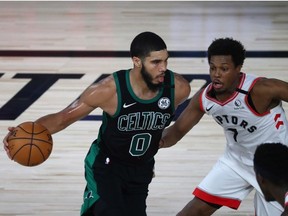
(172, 89)
(242, 91)
(250, 102)
(169, 86)
(119, 97)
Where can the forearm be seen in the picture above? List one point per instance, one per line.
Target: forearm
(53, 122)
(58, 121)
(166, 143)
(169, 138)
(184, 123)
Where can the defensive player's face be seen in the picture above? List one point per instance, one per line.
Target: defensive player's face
(224, 75)
(154, 68)
(264, 187)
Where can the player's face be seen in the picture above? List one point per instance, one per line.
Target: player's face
(264, 188)
(224, 75)
(154, 68)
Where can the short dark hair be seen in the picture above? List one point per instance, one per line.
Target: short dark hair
(271, 162)
(228, 46)
(146, 42)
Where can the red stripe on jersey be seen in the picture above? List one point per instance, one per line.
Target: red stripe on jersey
(231, 203)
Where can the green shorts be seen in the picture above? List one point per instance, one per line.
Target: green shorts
(114, 188)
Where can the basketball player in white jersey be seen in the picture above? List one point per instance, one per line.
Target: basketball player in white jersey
(270, 165)
(249, 109)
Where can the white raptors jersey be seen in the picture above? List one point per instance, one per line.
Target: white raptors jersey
(244, 128)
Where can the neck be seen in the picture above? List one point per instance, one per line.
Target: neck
(139, 86)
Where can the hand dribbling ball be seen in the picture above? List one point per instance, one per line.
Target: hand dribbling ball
(30, 144)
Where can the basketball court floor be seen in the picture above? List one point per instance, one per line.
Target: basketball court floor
(51, 51)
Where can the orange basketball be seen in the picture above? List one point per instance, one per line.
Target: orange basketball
(30, 144)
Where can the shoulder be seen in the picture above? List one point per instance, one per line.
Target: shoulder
(271, 86)
(101, 91)
(104, 84)
(182, 88)
(265, 84)
(198, 98)
(267, 92)
(180, 81)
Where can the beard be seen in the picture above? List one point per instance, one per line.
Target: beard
(148, 80)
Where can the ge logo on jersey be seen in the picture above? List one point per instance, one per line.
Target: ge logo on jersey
(238, 105)
(164, 103)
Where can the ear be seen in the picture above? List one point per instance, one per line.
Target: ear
(238, 68)
(137, 61)
(260, 179)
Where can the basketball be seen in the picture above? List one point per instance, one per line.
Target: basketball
(30, 144)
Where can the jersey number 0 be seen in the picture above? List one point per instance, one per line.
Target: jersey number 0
(139, 144)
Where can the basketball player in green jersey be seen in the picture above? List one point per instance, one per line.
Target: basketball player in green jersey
(137, 105)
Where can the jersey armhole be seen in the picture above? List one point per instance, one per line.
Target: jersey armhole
(172, 92)
(119, 97)
(249, 101)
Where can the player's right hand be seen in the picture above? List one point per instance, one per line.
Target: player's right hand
(5, 143)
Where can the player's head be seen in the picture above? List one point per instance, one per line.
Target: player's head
(145, 43)
(149, 55)
(227, 47)
(271, 167)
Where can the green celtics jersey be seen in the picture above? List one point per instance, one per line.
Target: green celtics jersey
(133, 133)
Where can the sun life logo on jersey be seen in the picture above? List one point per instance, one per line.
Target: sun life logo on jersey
(164, 103)
(238, 105)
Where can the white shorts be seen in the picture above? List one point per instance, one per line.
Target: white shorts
(227, 184)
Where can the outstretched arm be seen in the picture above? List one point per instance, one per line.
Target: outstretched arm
(190, 116)
(101, 94)
(96, 95)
